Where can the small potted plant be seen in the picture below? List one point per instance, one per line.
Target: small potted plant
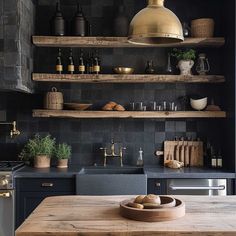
(185, 60)
(62, 153)
(39, 150)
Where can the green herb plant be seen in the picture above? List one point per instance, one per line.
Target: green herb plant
(188, 54)
(38, 146)
(62, 151)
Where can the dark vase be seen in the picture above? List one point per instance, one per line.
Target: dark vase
(79, 23)
(58, 24)
(121, 23)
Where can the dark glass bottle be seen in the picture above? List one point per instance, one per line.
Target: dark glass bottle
(71, 66)
(150, 68)
(59, 66)
(81, 63)
(58, 24)
(79, 23)
(96, 64)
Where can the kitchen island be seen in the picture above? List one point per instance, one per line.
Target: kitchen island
(99, 215)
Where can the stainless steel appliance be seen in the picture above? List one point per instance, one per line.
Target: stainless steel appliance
(7, 197)
(208, 187)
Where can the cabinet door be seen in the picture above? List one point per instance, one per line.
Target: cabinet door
(157, 186)
(26, 202)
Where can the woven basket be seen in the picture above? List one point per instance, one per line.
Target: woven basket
(53, 100)
(202, 28)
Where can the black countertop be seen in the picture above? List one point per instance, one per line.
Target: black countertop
(150, 171)
(192, 173)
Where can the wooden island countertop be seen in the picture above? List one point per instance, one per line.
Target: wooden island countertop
(99, 215)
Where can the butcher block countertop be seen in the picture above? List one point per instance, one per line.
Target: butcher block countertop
(99, 215)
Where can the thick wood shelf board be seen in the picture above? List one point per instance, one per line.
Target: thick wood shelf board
(68, 41)
(128, 114)
(114, 78)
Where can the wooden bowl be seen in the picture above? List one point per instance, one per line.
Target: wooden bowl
(154, 215)
(77, 106)
(123, 70)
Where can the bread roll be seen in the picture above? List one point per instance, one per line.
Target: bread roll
(151, 198)
(135, 205)
(112, 104)
(107, 107)
(119, 108)
(151, 205)
(139, 199)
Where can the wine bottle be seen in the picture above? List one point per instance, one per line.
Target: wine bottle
(91, 60)
(71, 67)
(96, 64)
(59, 65)
(81, 63)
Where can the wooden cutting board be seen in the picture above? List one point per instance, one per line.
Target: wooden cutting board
(188, 152)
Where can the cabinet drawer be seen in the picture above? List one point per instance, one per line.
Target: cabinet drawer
(157, 186)
(45, 184)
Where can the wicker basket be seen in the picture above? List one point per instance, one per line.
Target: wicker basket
(202, 28)
(53, 100)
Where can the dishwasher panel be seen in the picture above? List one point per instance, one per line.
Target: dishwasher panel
(209, 187)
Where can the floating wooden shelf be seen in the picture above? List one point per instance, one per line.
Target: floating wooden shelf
(128, 114)
(115, 42)
(114, 78)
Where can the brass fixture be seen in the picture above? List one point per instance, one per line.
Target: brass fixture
(155, 24)
(112, 153)
(5, 195)
(14, 131)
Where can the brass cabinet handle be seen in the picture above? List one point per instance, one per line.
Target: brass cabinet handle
(6, 195)
(47, 184)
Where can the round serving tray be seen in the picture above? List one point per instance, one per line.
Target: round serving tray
(164, 213)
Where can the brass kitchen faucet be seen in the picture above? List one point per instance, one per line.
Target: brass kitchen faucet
(112, 153)
(14, 131)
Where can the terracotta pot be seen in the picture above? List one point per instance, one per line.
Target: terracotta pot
(42, 161)
(185, 67)
(62, 163)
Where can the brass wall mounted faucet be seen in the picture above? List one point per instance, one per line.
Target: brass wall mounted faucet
(112, 153)
(14, 131)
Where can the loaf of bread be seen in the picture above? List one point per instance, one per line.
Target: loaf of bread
(118, 107)
(173, 164)
(151, 205)
(152, 199)
(135, 205)
(139, 199)
(107, 107)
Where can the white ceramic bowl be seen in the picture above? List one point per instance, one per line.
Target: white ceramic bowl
(198, 104)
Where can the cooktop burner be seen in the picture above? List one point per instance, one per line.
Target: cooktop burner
(10, 165)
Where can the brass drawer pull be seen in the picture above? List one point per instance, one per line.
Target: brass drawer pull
(47, 184)
(5, 195)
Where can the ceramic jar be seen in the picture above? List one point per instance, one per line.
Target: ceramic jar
(185, 67)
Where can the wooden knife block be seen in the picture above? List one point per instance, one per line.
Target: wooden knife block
(188, 152)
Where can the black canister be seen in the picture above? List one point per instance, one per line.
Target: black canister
(79, 23)
(58, 24)
(121, 23)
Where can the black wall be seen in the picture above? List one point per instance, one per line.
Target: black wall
(87, 136)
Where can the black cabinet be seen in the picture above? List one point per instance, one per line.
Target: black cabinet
(31, 191)
(157, 186)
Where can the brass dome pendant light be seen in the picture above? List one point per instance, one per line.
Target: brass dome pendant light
(155, 24)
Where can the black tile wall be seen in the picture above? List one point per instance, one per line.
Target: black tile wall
(87, 136)
(16, 52)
